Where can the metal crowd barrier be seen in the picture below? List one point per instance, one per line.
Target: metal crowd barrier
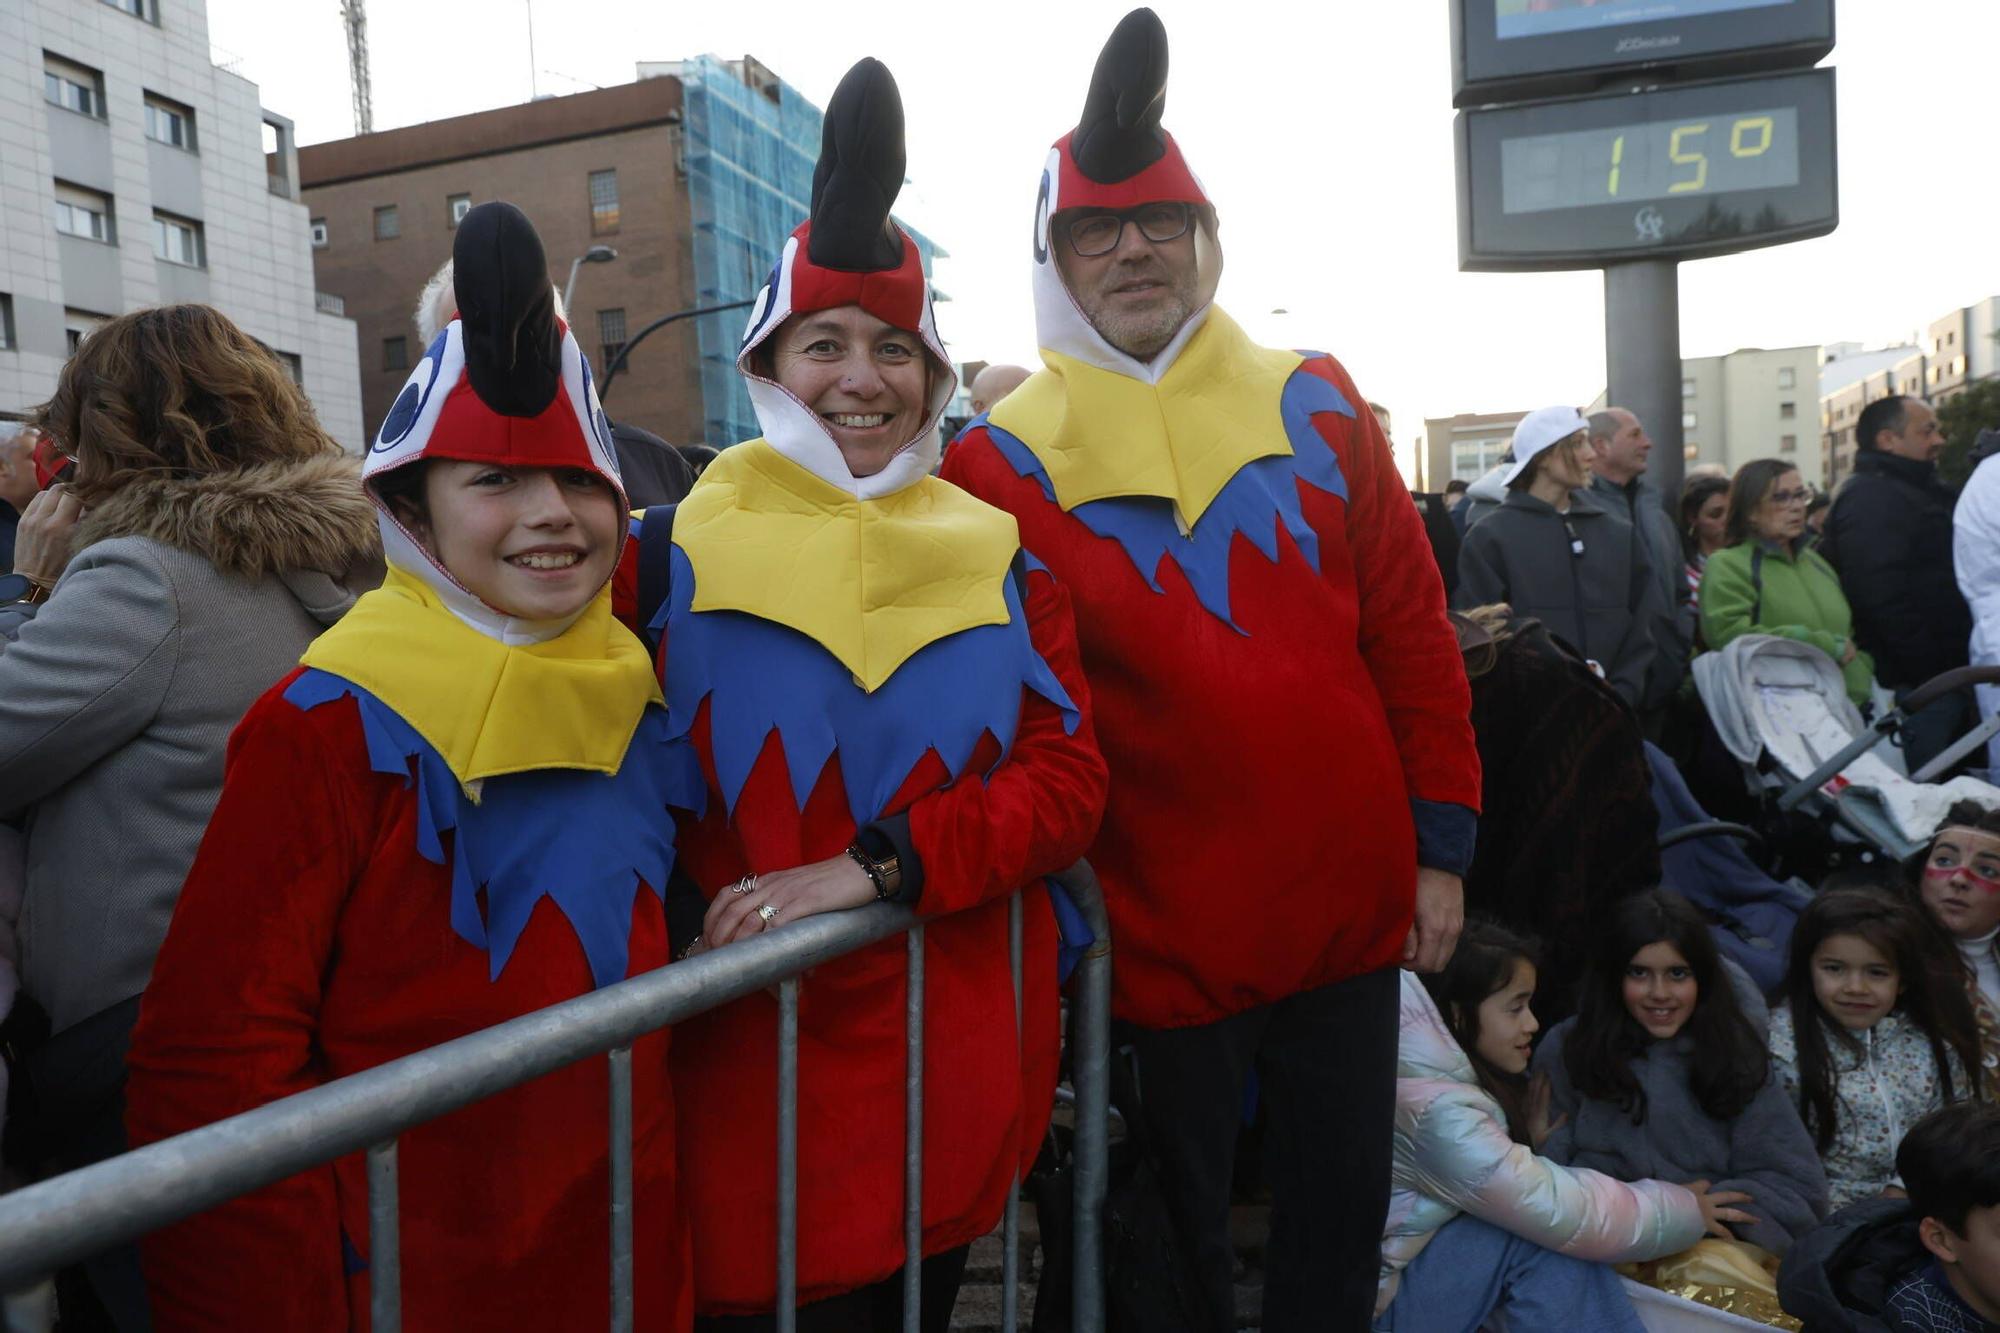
(70, 1217)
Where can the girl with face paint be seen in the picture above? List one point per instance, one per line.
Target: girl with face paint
(1956, 882)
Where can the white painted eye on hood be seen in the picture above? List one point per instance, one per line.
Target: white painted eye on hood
(409, 404)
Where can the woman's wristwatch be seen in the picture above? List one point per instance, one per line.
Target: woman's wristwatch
(886, 874)
(21, 588)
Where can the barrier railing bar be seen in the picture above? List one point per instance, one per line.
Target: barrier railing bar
(1010, 1224)
(1090, 1074)
(82, 1212)
(385, 1245)
(621, 1189)
(788, 1155)
(913, 1138)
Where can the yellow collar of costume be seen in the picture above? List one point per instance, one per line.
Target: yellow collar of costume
(491, 708)
(1100, 434)
(872, 581)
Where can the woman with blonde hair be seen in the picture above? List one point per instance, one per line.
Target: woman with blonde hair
(210, 530)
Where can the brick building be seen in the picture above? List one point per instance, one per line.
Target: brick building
(597, 168)
(694, 174)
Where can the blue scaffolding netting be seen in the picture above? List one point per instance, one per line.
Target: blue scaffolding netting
(750, 155)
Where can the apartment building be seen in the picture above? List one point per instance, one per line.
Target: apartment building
(135, 172)
(1463, 447)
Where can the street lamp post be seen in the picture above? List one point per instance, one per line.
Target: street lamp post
(596, 254)
(618, 362)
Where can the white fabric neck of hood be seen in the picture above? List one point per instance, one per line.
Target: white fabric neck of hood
(1061, 326)
(405, 552)
(800, 434)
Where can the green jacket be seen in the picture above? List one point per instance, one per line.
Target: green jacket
(1800, 599)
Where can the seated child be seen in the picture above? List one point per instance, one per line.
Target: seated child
(1660, 1076)
(1951, 1165)
(1874, 1034)
(1478, 1223)
(1957, 883)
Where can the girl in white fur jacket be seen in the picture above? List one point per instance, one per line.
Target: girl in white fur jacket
(1480, 1223)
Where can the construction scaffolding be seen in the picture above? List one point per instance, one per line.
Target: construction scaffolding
(751, 142)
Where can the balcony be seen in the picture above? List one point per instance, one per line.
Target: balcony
(329, 304)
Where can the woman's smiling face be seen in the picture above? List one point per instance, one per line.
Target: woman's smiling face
(865, 378)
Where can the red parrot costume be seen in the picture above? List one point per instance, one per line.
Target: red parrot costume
(448, 817)
(867, 659)
(1277, 690)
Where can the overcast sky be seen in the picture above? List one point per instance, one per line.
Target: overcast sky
(1323, 131)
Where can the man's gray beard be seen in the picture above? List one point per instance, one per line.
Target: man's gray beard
(1144, 337)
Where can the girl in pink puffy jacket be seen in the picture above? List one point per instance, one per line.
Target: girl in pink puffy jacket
(1480, 1223)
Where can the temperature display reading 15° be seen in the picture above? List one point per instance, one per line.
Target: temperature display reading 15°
(1745, 150)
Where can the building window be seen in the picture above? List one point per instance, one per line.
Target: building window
(1687, 421)
(177, 240)
(1787, 377)
(138, 9)
(80, 324)
(611, 332)
(603, 202)
(1687, 388)
(1788, 411)
(396, 353)
(73, 87)
(319, 233)
(84, 213)
(6, 322)
(458, 205)
(169, 123)
(388, 223)
(294, 367)
(1788, 444)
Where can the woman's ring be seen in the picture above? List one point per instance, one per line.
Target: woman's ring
(768, 912)
(744, 885)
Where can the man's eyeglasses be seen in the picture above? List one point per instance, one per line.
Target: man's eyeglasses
(1096, 234)
(1797, 497)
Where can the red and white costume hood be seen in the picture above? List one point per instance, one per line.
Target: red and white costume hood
(851, 252)
(505, 383)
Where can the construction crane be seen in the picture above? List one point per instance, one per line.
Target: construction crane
(356, 18)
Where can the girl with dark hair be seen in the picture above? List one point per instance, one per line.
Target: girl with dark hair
(1764, 581)
(1635, 1101)
(1874, 1034)
(1535, 1239)
(1704, 512)
(1956, 881)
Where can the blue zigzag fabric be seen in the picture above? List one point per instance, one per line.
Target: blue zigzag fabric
(1260, 498)
(760, 677)
(585, 840)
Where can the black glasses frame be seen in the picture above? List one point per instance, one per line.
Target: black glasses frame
(1184, 218)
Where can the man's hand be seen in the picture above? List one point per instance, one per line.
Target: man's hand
(1440, 915)
(41, 543)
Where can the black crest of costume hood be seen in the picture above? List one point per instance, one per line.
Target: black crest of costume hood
(859, 175)
(1120, 135)
(506, 311)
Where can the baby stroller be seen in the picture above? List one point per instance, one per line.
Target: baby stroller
(1781, 710)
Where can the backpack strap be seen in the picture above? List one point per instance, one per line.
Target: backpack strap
(656, 535)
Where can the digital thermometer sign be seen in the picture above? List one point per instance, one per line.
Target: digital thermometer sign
(1700, 170)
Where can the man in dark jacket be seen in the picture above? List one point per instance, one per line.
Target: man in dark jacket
(1889, 535)
(1552, 552)
(17, 486)
(1620, 451)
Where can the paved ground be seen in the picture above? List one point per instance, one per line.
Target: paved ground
(978, 1308)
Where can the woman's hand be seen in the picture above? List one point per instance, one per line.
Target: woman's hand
(833, 885)
(41, 543)
(1539, 1124)
(1716, 1210)
(1847, 652)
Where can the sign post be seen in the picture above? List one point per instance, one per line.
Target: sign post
(1642, 352)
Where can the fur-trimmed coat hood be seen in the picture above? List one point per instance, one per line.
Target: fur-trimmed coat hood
(293, 514)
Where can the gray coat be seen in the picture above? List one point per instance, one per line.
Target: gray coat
(1764, 1151)
(184, 601)
(1638, 503)
(1603, 602)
